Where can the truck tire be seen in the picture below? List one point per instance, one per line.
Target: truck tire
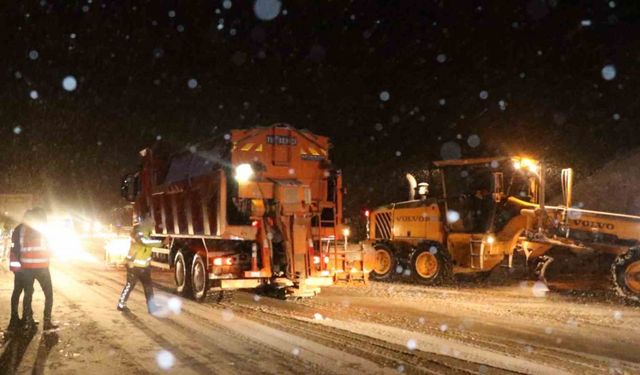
(626, 274)
(199, 278)
(385, 263)
(430, 265)
(182, 273)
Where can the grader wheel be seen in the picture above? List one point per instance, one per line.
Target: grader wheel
(626, 274)
(426, 265)
(385, 262)
(430, 265)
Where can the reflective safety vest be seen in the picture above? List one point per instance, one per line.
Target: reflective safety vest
(141, 246)
(14, 263)
(33, 250)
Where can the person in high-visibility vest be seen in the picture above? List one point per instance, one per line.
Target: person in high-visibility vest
(138, 264)
(32, 258)
(18, 285)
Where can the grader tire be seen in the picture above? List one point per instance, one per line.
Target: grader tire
(430, 265)
(385, 263)
(626, 274)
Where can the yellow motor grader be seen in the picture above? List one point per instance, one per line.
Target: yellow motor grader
(471, 214)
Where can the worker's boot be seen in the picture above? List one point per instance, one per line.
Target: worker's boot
(14, 324)
(48, 325)
(28, 323)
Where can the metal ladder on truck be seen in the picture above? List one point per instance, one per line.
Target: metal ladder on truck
(476, 251)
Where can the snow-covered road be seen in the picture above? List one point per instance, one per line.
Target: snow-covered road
(375, 329)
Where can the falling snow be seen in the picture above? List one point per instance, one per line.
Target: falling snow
(69, 83)
(165, 359)
(411, 344)
(453, 216)
(473, 140)
(267, 10)
(609, 72)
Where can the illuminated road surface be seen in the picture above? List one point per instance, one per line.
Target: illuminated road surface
(379, 329)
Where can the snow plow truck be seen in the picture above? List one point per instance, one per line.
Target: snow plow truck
(472, 214)
(254, 208)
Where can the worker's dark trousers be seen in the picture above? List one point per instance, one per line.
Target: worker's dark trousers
(18, 287)
(133, 275)
(44, 279)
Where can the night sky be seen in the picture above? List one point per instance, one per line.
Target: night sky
(395, 84)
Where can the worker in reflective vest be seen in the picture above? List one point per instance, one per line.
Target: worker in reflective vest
(138, 264)
(18, 286)
(32, 258)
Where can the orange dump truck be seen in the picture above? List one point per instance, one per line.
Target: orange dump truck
(257, 207)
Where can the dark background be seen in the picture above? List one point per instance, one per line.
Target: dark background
(318, 65)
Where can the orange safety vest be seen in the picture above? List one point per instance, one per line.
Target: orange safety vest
(33, 250)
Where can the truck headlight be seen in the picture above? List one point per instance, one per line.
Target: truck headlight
(243, 172)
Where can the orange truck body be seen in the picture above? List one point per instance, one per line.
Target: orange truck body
(281, 222)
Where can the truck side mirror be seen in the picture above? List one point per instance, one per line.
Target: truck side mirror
(498, 186)
(129, 187)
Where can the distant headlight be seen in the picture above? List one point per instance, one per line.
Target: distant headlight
(243, 172)
(346, 232)
(491, 239)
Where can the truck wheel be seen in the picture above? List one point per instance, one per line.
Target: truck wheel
(626, 274)
(430, 265)
(182, 274)
(385, 262)
(199, 279)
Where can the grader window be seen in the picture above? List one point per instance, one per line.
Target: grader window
(469, 198)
